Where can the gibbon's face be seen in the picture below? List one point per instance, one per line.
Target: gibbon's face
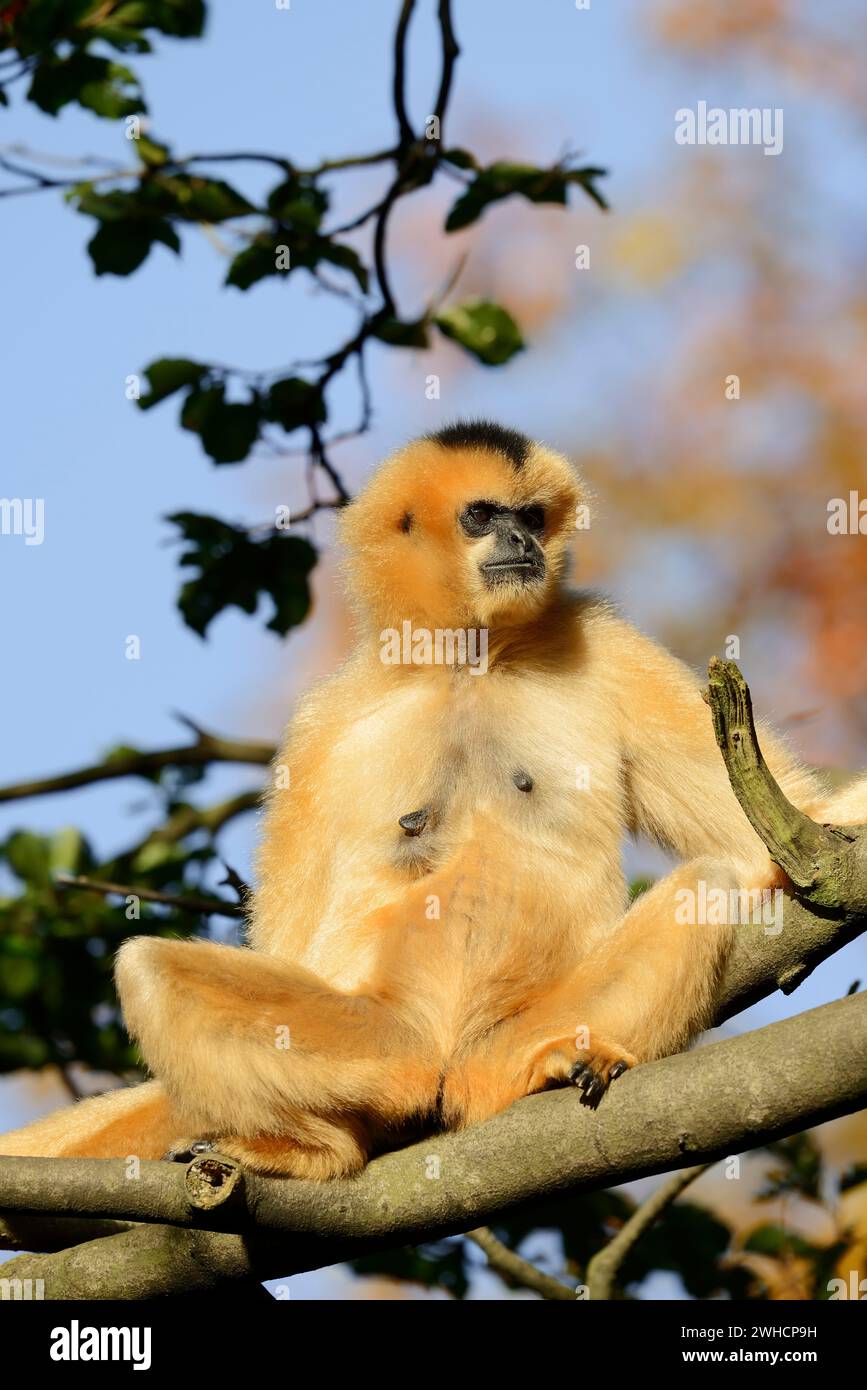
(467, 527)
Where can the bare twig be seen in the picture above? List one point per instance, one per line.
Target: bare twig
(207, 749)
(603, 1267)
(517, 1270)
(183, 902)
(451, 52)
(405, 131)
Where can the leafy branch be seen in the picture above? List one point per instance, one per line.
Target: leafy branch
(272, 236)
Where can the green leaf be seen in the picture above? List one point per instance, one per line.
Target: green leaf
(586, 179)
(461, 159)
(397, 334)
(184, 19)
(484, 329)
(298, 204)
(151, 152)
(197, 199)
(119, 248)
(502, 179)
(167, 375)
(254, 263)
(41, 23)
(68, 850)
(294, 402)
(28, 856)
(198, 406)
(236, 570)
(125, 40)
(432, 1266)
(95, 83)
(19, 977)
(228, 429)
(800, 1169)
(231, 429)
(345, 257)
(771, 1239)
(259, 259)
(693, 1242)
(114, 206)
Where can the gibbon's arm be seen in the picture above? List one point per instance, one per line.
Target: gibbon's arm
(294, 862)
(677, 784)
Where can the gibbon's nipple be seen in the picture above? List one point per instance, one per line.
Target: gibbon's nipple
(415, 822)
(522, 781)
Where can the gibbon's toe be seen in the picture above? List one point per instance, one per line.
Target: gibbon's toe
(184, 1151)
(593, 1074)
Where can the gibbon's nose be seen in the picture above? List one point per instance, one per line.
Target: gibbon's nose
(519, 539)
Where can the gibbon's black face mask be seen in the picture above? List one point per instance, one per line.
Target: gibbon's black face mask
(517, 556)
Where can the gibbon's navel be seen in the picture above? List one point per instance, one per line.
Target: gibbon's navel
(415, 822)
(522, 781)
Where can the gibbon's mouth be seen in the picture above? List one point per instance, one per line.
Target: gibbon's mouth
(526, 570)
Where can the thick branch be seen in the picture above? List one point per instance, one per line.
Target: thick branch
(146, 1262)
(657, 1117)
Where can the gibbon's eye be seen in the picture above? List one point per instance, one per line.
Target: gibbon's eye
(533, 518)
(477, 517)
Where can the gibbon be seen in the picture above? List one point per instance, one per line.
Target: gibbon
(441, 924)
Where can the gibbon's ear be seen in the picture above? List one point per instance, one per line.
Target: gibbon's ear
(409, 557)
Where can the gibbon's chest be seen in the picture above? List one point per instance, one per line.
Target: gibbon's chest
(538, 756)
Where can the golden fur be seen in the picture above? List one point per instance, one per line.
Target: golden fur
(399, 982)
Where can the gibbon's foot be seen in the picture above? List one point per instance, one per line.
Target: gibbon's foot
(183, 1151)
(596, 1069)
(560, 1062)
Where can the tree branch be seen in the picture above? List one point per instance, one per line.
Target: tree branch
(451, 52)
(208, 748)
(184, 903)
(405, 131)
(517, 1270)
(602, 1269)
(764, 1085)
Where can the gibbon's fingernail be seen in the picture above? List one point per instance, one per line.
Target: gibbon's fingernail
(522, 781)
(594, 1090)
(617, 1070)
(577, 1070)
(414, 823)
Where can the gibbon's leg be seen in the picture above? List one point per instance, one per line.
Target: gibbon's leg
(133, 1121)
(643, 993)
(286, 1073)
